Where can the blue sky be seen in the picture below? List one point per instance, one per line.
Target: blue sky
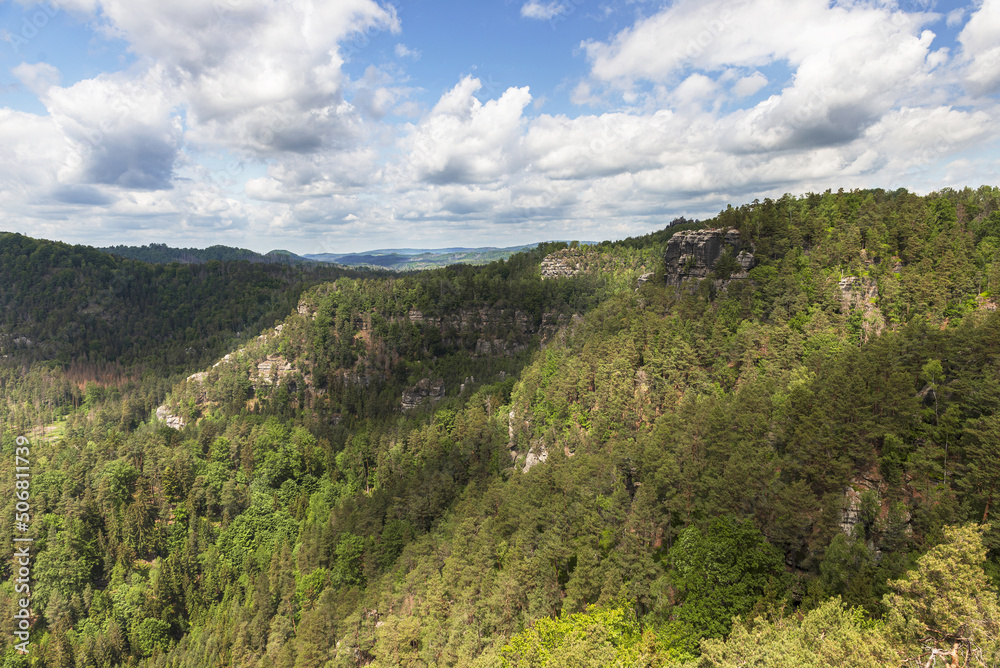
(322, 126)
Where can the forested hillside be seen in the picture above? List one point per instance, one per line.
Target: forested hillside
(635, 453)
(73, 304)
(163, 254)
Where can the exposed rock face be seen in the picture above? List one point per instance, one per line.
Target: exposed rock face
(985, 304)
(425, 389)
(536, 455)
(695, 254)
(174, 421)
(271, 371)
(497, 347)
(860, 294)
(560, 264)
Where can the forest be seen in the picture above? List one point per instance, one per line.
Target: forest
(612, 463)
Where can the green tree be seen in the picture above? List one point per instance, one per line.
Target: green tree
(721, 573)
(828, 637)
(596, 638)
(946, 602)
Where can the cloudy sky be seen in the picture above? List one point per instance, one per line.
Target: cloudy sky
(345, 125)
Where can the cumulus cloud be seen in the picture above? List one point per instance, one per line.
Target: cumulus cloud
(252, 79)
(980, 39)
(255, 76)
(851, 64)
(749, 85)
(542, 11)
(403, 51)
(122, 130)
(464, 140)
(677, 122)
(38, 77)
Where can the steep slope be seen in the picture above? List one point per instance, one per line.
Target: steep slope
(673, 457)
(75, 304)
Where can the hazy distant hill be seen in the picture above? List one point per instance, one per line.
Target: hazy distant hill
(396, 259)
(163, 254)
(405, 259)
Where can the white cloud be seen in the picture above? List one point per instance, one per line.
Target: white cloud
(857, 96)
(694, 90)
(38, 77)
(255, 76)
(749, 85)
(543, 11)
(122, 131)
(402, 51)
(713, 35)
(980, 40)
(464, 140)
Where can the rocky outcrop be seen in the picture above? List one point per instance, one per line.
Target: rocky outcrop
(861, 294)
(422, 391)
(561, 264)
(536, 455)
(497, 347)
(174, 421)
(694, 254)
(984, 303)
(271, 371)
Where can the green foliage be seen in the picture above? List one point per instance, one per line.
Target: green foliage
(830, 636)
(150, 635)
(721, 573)
(598, 637)
(698, 450)
(947, 598)
(255, 533)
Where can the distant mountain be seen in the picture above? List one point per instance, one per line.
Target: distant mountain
(395, 259)
(408, 259)
(163, 254)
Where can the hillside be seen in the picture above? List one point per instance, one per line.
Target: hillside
(411, 259)
(163, 254)
(581, 455)
(395, 259)
(74, 304)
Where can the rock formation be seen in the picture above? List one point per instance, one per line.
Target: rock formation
(424, 389)
(271, 371)
(173, 421)
(861, 294)
(560, 264)
(695, 254)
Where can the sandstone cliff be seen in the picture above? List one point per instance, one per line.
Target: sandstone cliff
(423, 390)
(694, 254)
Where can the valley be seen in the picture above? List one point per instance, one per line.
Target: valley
(770, 434)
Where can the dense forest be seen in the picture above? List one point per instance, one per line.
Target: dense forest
(75, 305)
(163, 254)
(581, 455)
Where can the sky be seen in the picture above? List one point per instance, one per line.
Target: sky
(325, 126)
